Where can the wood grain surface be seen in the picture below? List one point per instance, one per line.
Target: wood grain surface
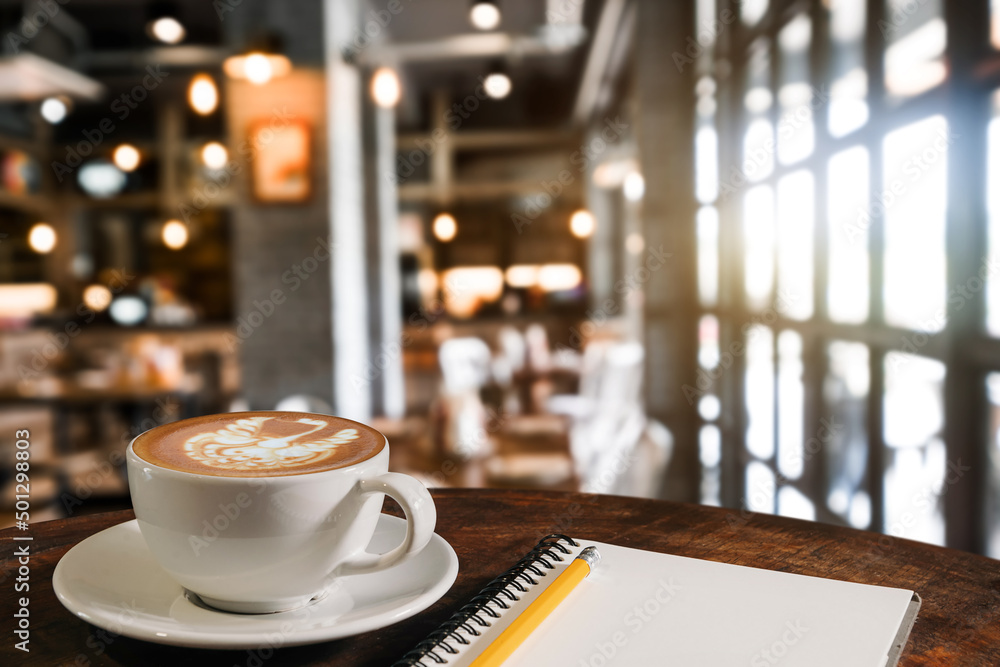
(958, 625)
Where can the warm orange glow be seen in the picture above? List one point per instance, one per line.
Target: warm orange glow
(42, 238)
(126, 157)
(582, 224)
(445, 227)
(174, 234)
(203, 95)
(386, 89)
(257, 68)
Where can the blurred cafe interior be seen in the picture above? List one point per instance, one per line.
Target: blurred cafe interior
(737, 253)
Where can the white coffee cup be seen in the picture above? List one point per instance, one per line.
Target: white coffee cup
(265, 544)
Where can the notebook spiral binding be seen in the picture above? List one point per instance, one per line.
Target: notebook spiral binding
(443, 642)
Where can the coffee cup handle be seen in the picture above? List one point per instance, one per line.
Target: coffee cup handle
(421, 517)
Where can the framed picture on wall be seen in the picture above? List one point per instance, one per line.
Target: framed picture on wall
(281, 166)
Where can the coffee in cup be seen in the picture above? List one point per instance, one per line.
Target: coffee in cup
(259, 512)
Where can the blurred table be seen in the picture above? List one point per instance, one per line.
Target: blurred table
(959, 622)
(543, 439)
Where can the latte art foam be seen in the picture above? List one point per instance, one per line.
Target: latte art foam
(259, 444)
(244, 446)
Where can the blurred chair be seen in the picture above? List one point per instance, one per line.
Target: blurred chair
(635, 461)
(539, 356)
(465, 368)
(615, 448)
(513, 348)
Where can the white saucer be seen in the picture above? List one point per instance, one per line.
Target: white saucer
(111, 580)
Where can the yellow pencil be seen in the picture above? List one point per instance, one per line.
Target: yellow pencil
(537, 611)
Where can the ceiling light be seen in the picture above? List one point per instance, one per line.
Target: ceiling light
(634, 186)
(97, 297)
(162, 23)
(42, 238)
(167, 29)
(445, 227)
(54, 109)
(258, 69)
(582, 224)
(174, 234)
(386, 89)
(203, 94)
(484, 15)
(214, 155)
(497, 85)
(126, 157)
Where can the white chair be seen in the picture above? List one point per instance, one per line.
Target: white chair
(615, 447)
(465, 368)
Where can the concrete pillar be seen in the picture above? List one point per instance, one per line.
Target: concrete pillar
(665, 126)
(351, 349)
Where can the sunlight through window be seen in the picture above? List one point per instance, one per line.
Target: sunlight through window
(791, 403)
(993, 211)
(708, 255)
(845, 394)
(914, 59)
(795, 244)
(758, 233)
(796, 136)
(848, 108)
(915, 454)
(760, 488)
(760, 392)
(848, 220)
(706, 146)
(792, 503)
(914, 206)
(993, 459)
(710, 454)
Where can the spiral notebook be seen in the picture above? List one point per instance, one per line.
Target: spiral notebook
(643, 608)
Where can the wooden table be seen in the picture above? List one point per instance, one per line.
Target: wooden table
(959, 622)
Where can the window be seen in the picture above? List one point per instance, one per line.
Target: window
(847, 231)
